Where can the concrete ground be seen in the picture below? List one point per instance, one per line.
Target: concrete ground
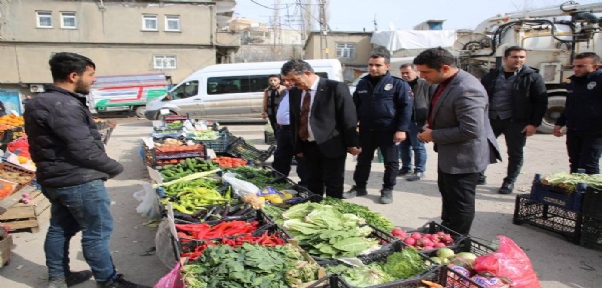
(557, 262)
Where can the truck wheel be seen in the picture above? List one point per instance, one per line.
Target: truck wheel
(555, 108)
(140, 110)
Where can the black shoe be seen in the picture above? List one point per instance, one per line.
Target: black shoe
(78, 277)
(120, 283)
(415, 176)
(355, 191)
(506, 188)
(482, 180)
(403, 172)
(386, 196)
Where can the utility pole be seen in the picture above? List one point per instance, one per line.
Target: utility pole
(323, 30)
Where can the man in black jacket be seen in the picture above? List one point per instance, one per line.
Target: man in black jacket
(71, 168)
(517, 102)
(323, 121)
(384, 108)
(582, 114)
(422, 91)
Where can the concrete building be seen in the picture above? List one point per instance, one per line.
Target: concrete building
(176, 37)
(353, 49)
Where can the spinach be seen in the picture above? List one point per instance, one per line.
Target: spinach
(249, 266)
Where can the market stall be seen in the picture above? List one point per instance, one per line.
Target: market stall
(217, 207)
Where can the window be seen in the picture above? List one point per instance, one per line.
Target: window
(149, 23)
(237, 84)
(172, 23)
(164, 62)
(44, 19)
(345, 50)
(68, 20)
(185, 90)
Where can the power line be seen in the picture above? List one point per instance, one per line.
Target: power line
(271, 8)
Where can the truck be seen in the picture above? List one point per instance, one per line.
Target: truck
(552, 35)
(127, 94)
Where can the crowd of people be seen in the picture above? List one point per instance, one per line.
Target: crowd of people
(317, 122)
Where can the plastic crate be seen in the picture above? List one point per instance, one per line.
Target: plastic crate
(548, 217)
(556, 196)
(591, 233)
(172, 118)
(269, 138)
(219, 145)
(431, 274)
(178, 155)
(303, 194)
(434, 227)
(241, 149)
(592, 203)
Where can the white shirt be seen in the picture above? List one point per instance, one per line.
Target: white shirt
(312, 92)
(282, 116)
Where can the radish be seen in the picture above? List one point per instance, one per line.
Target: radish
(439, 245)
(410, 241)
(447, 238)
(416, 235)
(427, 243)
(428, 248)
(398, 232)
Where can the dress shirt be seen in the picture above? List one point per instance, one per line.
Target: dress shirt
(312, 91)
(282, 116)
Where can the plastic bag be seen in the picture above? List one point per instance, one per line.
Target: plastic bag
(268, 127)
(150, 202)
(509, 261)
(171, 279)
(240, 187)
(167, 249)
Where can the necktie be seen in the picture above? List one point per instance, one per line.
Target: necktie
(304, 119)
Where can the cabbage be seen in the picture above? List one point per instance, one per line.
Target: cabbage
(405, 264)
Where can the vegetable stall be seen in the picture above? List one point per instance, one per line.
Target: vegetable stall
(229, 221)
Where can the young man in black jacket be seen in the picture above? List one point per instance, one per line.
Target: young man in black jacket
(72, 166)
(384, 108)
(517, 102)
(582, 114)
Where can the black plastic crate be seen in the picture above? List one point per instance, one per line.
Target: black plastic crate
(548, 217)
(269, 138)
(303, 194)
(556, 196)
(431, 274)
(219, 145)
(433, 228)
(241, 149)
(591, 233)
(592, 203)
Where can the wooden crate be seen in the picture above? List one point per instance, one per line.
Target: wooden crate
(24, 217)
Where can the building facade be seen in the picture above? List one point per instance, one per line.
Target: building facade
(175, 37)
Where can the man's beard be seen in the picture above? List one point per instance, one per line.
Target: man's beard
(81, 88)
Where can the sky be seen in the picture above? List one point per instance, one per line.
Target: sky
(402, 14)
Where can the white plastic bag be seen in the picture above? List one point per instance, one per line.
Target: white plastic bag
(240, 187)
(150, 202)
(268, 127)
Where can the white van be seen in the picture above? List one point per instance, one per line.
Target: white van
(229, 92)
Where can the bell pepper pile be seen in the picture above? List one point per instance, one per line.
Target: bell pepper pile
(264, 240)
(205, 231)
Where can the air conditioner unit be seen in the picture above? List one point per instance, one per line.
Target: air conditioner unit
(36, 87)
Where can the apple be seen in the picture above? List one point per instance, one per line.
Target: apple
(410, 241)
(416, 235)
(427, 242)
(428, 236)
(439, 245)
(398, 232)
(429, 247)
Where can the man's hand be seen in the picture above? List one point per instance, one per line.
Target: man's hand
(354, 150)
(427, 135)
(264, 115)
(399, 137)
(529, 130)
(558, 131)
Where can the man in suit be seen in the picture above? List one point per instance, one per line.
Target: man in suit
(458, 125)
(323, 121)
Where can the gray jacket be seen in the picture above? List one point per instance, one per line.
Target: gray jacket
(461, 131)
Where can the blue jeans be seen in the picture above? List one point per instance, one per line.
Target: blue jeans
(405, 151)
(85, 208)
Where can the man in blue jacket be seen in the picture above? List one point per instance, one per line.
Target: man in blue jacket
(384, 110)
(582, 114)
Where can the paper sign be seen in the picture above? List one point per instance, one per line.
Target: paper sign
(155, 175)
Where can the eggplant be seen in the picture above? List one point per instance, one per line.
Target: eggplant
(244, 211)
(209, 214)
(225, 212)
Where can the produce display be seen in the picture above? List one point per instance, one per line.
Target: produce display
(229, 162)
(249, 266)
(7, 188)
(423, 241)
(399, 265)
(20, 145)
(173, 145)
(225, 229)
(195, 250)
(12, 120)
(218, 212)
(16, 177)
(373, 218)
(325, 232)
(568, 182)
(202, 135)
(260, 177)
(185, 167)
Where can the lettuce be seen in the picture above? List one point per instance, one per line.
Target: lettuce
(405, 264)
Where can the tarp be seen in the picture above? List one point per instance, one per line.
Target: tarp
(414, 39)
